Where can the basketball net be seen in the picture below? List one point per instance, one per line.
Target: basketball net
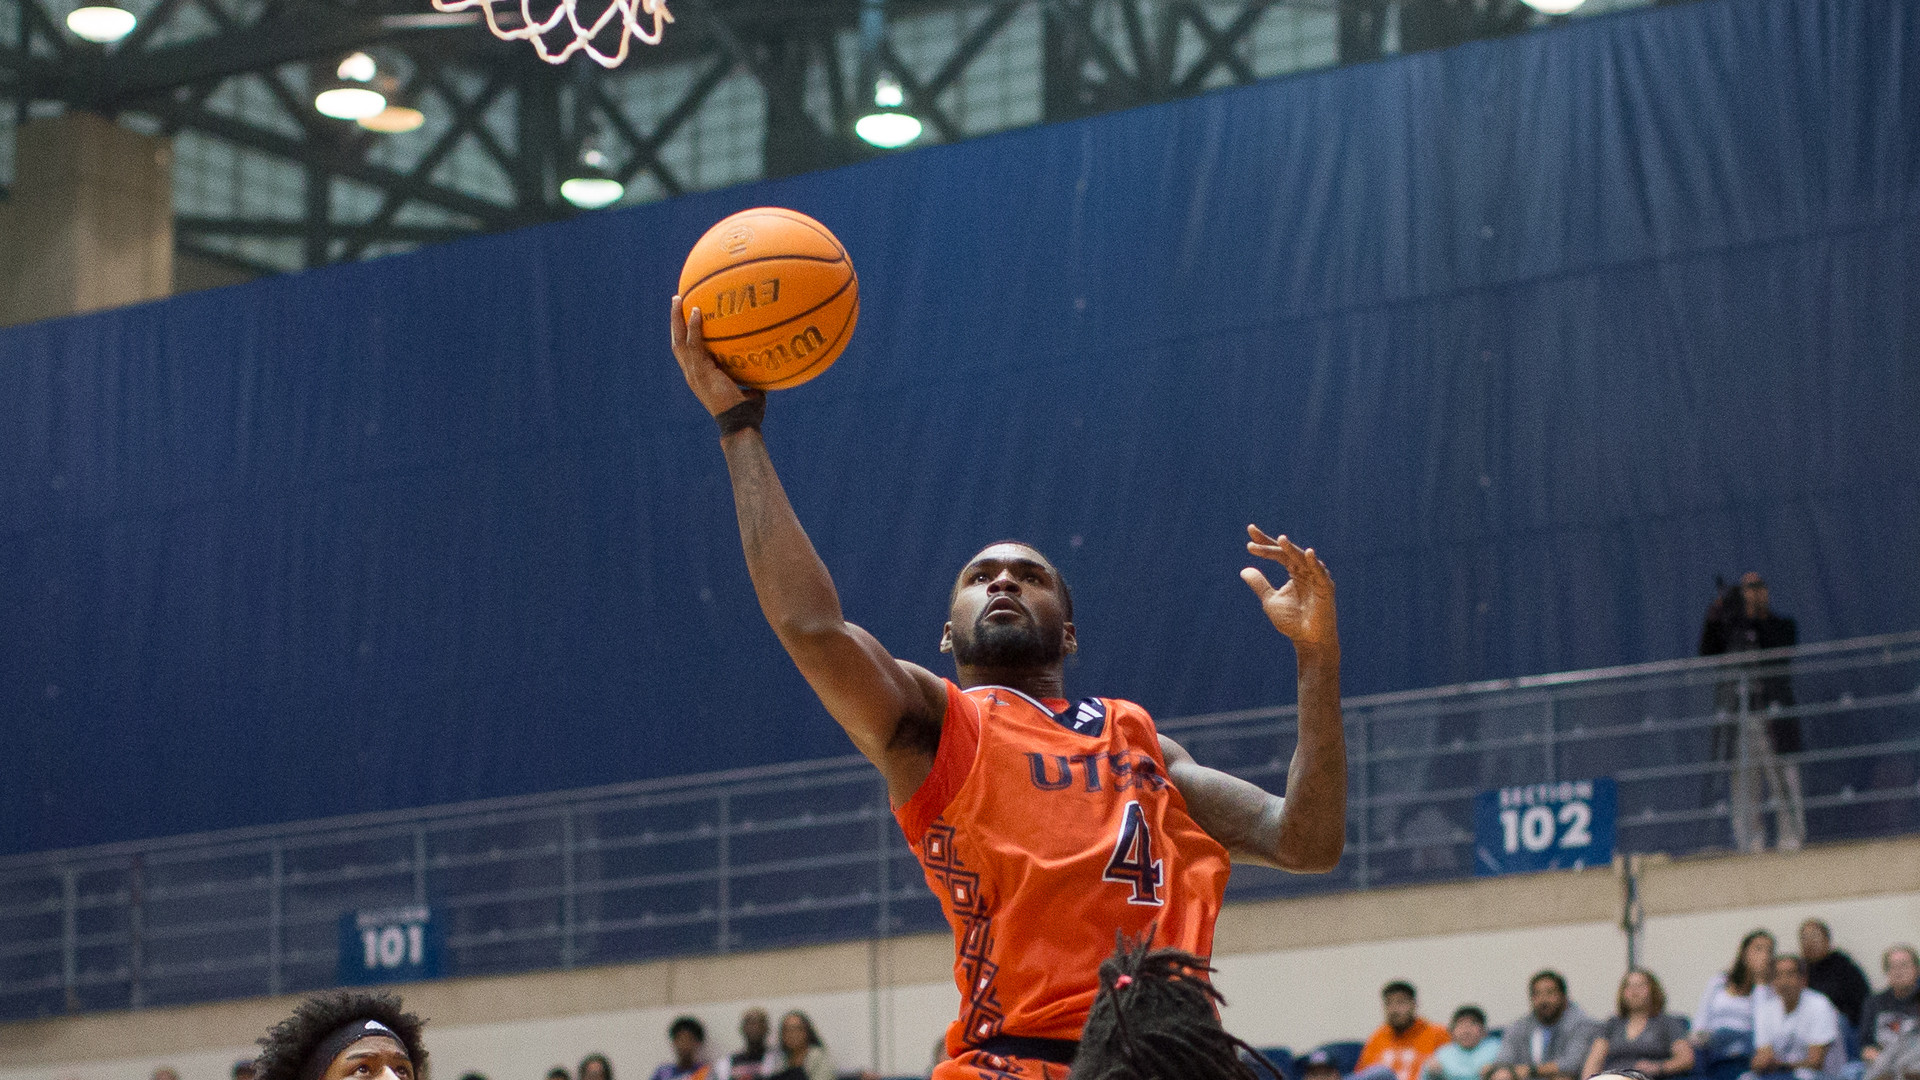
(643, 19)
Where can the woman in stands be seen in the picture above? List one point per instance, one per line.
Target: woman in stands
(1642, 1035)
(343, 1035)
(800, 1055)
(1723, 1026)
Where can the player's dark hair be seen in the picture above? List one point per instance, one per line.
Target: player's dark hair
(1156, 1018)
(607, 1066)
(680, 1024)
(1469, 1012)
(1738, 977)
(1399, 986)
(284, 1049)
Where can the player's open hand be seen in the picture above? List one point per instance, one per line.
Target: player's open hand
(1302, 609)
(711, 385)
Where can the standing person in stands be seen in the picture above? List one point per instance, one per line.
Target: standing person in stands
(689, 1038)
(1895, 1011)
(344, 1035)
(1471, 1051)
(750, 1063)
(1741, 619)
(800, 1054)
(1723, 1025)
(1796, 1031)
(1551, 1041)
(1641, 1035)
(1833, 972)
(1400, 1047)
(1043, 825)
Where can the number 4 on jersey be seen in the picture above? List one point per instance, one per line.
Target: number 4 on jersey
(1133, 862)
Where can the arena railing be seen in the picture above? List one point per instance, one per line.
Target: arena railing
(808, 852)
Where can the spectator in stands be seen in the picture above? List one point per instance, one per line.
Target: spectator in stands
(1833, 972)
(1400, 1047)
(597, 1067)
(1470, 1052)
(1741, 619)
(801, 1055)
(751, 1062)
(166, 1072)
(1900, 1061)
(689, 1038)
(244, 1069)
(1796, 1031)
(1723, 1025)
(1642, 1035)
(1895, 1011)
(1551, 1041)
(559, 1072)
(344, 1034)
(1318, 1065)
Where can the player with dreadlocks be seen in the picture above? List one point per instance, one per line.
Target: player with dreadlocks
(1157, 1018)
(337, 1035)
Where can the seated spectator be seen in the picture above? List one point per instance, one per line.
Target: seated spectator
(750, 1063)
(559, 1072)
(1723, 1025)
(1796, 1032)
(1642, 1036)
(1318, 1065)
(1895, 1011)
(800, 1055)
(244, 1069)
(1899, 1061)
(689, 1037)
(1551, 1041)
(1400, 1047)
(1833, 972)
(1471, 1050)
(166, 1072)
(597, 1067)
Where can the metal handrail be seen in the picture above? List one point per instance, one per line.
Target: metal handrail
(595, 875)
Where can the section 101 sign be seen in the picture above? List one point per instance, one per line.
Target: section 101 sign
(388, 945)
(1567, 825)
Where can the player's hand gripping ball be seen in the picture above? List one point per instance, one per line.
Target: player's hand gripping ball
(777, 295)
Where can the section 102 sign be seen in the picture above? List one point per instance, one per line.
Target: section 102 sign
(388, 945)
(1567, 825)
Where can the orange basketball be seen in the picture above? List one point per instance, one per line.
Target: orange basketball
(777, 293)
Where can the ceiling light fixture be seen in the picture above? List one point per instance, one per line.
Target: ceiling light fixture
(102, 25)
(591, 186)
(889, 126)
(1554, 7)
(347, 96)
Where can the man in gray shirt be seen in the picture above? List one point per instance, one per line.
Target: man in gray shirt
(1551, 1041)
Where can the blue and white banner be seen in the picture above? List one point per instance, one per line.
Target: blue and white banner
(1566, 825)
(388, 945)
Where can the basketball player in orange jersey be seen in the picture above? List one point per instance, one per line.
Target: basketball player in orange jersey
(1043, 826)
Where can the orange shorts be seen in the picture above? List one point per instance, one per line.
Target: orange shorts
(980, 1065)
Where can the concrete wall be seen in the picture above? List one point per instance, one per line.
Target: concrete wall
(1296, 972)
(90, 221)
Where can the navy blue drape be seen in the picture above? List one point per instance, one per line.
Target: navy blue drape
(1529, 338)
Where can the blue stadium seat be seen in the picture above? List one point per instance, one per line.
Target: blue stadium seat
(1346, 1055)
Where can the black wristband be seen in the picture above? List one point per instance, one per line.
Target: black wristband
(747, 414)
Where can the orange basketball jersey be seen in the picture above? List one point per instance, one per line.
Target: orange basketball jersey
(1044, 828)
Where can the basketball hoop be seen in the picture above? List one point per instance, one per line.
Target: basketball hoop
(633, 15)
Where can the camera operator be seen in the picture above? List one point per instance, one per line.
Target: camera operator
(1751, 708)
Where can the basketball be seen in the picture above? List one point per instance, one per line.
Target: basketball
(778, 295)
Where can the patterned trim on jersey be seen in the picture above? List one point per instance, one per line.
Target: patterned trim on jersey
(983, 1013)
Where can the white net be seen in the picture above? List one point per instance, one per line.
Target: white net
(555, 42)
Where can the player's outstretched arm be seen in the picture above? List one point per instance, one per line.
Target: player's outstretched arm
(891, 709)
(1306, 831)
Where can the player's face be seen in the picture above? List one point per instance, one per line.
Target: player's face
(1009, 611)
